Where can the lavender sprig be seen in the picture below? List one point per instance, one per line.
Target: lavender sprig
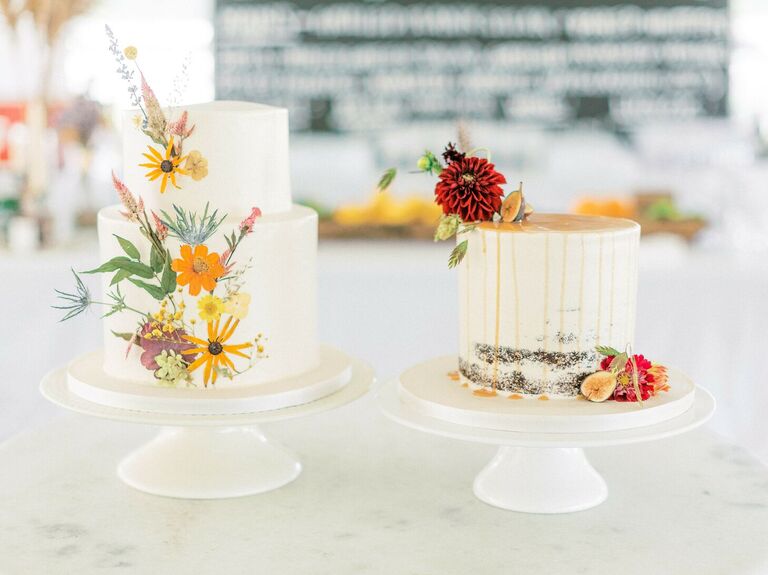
(122, 68)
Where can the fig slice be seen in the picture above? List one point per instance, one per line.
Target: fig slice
(598, 386)
(512, 207)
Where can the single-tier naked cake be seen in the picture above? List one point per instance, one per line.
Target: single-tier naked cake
(208, 269)
(537, 297)
(546, 313)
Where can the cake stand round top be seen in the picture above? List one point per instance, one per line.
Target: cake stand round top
(392, 405)
(54, 388)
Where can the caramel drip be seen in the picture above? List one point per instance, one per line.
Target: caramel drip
(482, 392)
(562, 293)
(613, 285)
(543, 398)
(545, 342)
(485, 288)
(517, 298)
(515, 396)
(466, 323)
(498, 312)
(628, 320)
(581, 293)
(599, 291)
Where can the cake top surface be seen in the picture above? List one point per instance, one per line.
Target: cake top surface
(565, 223)
(227, 106)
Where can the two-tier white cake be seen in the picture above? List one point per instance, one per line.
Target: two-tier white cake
(209, 270)
(246, 146)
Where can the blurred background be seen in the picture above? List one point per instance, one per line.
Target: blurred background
(655, 110)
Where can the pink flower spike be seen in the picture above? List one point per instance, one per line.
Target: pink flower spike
(126, 198)
(179, 127)
(160, 228)
(246, 226)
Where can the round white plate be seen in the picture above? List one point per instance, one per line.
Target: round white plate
(428, 390)
(392, 405)
(54, 387)
(87, 379)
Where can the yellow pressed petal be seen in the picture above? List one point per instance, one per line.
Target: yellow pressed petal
(181, 171)
(168, 149)
(151, 166)
(198, 362)
(215, 371)
(210, 331)
(228, 362)
(150, 158)
(173, 181)
(222, 335)
(229, 333)
(154, 175)
(164, 184)
(155, 153)
(196, 350)
(236, 347)
(240, 353)
(207, 374)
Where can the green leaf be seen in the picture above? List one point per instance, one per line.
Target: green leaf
(119, 276)
(618, 362)
(111, 266)
(156, 260)
(606, 350)
(168, 280)
(131, 250)
(137, 269)
(153, 290)
(124, 335)
(386, 179)
(458, 254)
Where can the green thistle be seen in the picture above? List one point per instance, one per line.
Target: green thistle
(189, 228)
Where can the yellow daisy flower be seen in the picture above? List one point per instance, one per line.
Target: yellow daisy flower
(215, 350)
(210, 307)
(166, 166)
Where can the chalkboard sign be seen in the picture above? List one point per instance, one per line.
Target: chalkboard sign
(369, 65)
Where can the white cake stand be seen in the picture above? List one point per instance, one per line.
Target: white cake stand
(536, 472)
(208, 456)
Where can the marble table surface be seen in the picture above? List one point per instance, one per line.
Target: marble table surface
(375, 498)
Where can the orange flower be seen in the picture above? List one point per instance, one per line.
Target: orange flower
(198, 270)
(214, 351)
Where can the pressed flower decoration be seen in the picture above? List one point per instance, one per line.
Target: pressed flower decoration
(168, 270)
(469, 191)
(167, 163)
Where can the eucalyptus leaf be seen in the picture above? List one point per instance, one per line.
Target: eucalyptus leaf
(111, 266)
(137, 269)
(131, 250)
(153, 290)
(156, 260)
(168, 279)
(607, 350)
(119, 276)
(123, 335)
(386, 179)
(458, 254)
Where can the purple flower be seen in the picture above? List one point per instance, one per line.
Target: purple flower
(168, 341)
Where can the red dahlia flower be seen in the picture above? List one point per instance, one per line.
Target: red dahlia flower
(469, 187)
(625, 388)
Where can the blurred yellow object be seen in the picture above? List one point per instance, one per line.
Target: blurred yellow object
(384, 209)
(613, 207)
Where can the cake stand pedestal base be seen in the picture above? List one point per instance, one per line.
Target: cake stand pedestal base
(208, 456)
(540, 480)
(538, 472)
(209, 463)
